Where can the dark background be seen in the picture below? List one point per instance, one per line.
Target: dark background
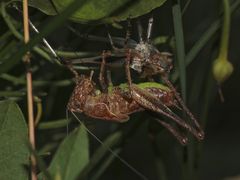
(217, 157)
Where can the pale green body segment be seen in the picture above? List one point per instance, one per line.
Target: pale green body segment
(153, 85)
(143, 85)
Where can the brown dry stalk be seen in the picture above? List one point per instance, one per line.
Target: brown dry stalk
(29, 92)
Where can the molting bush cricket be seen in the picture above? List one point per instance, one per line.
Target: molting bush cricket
(148, 61)
(116, 103)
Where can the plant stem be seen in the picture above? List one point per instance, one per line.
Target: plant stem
(11, 94)
(54, 124)
(225, 30)
(72, 54)
(29, 92)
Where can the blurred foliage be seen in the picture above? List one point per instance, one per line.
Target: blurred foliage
(102, 10)
(77, 29)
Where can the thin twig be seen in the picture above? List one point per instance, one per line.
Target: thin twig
(186, 5)
(37, 83)
(29, 91)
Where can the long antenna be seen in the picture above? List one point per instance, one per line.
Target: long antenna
(111, 150)
(149, 30)
(44, 41)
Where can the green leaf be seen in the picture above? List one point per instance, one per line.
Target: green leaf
(43, 5)
(14, 152)
(72, 156)
(95, 10)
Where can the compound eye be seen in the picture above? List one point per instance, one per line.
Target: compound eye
(136, 65)
(161, 70)
(136, 68)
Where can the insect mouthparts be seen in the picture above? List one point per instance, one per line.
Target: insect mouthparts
(201, 135)
(184, 141)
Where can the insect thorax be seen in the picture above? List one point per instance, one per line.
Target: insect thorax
(149, 61)
(144, 51)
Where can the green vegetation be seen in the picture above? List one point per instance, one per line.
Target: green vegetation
(78, 29)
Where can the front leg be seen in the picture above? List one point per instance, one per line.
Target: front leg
(102, 72)
(127, 68)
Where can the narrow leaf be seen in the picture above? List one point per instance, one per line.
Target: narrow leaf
(178, 30)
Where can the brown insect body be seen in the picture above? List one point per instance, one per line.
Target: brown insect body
(115, 105)
(118, 104)
(107, 106)
(166, 97)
